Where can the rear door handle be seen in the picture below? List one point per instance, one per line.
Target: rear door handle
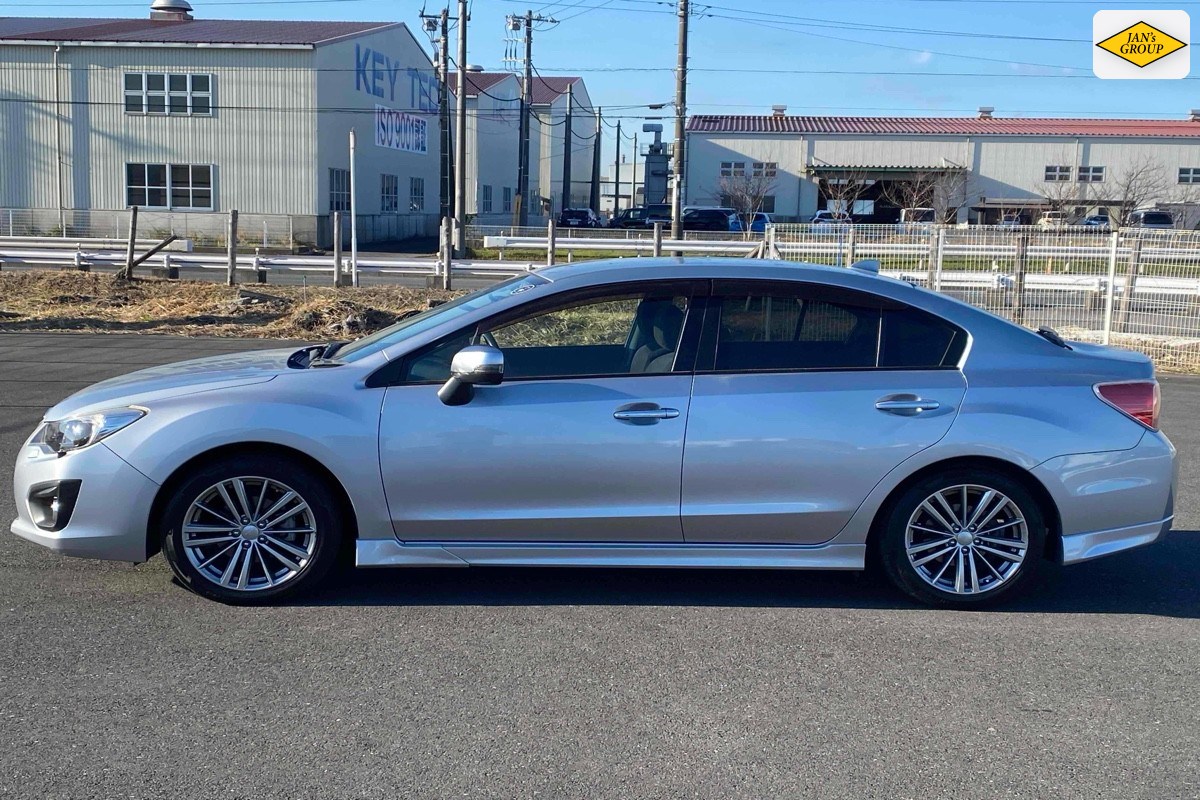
(645, 416)
(906, 405)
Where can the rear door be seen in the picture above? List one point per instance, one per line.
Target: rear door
(805, 396)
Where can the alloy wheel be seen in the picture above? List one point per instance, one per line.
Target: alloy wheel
(248, 534)
(967, 539)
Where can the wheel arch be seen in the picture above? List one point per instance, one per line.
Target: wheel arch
(1041, 496)
(154, 534)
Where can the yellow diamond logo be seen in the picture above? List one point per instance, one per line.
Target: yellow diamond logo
(1141, 44)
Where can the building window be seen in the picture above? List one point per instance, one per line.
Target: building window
(733, 169)
(1091, 174)
(389, 198)
(175, 186)
(1058, 174)
(765, 169)
(485, 199)
(168, 93)
(416, 194)
(1189, 174)
(339, 189)
(508, 199)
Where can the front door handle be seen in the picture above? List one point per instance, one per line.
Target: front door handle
(907, 405)
(644, 414)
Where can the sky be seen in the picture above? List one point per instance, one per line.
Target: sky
(855, 57)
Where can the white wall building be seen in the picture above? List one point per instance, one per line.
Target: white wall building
(190, 118)
(999, 165)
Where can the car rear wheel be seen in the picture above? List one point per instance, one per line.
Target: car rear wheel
(251, 529)
(962, 538)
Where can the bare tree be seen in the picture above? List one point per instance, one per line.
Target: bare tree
(943, 190)
(951, 193)
(914, 192)
(842, 188)
(745, 194)
(1141, 182)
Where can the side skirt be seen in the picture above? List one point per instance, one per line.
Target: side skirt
(393, 553)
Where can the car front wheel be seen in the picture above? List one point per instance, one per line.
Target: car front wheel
(251, 529)
(962, 538)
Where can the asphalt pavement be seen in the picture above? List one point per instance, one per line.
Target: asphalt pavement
(518, 683)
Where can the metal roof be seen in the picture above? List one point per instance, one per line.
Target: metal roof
(200, 31)
(946, 126)
(547, 90)
(476, 81)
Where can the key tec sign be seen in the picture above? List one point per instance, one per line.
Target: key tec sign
(384, 78)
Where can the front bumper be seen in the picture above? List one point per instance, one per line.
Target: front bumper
(110, 515)
(1112, 501)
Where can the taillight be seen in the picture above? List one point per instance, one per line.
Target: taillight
(1138, 399)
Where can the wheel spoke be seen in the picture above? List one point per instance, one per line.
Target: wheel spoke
(239, 491)
(244, 577)
(988, 564)
(964, 505)
(941, 499)
(298, 552)
(959, 573)
(262, 563)
(287, 562)
(228, 500)
(984, 502)
(942, 571)
(262, 494)
(288, 497)
(974, 574)
(937, 515)
(923, 529)
(227, 575)
(287, 514)
(1002, 527)
(935, 556)
(1001, 542)
(1015, 558)
(222, 517)
(920, 548)
(210, 540)
(216, 555)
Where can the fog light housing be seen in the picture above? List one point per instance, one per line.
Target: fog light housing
(51, 504)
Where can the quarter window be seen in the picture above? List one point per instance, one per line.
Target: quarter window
(1091, 174)
(1058, 174)
(174, 186)
(171, 93)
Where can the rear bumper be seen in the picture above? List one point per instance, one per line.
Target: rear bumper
(110, 515)
(1085, 546)
(1112, 501)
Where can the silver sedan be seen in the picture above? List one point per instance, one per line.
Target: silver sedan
(658, 413)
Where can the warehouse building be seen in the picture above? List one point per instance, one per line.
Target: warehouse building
(189, 118)
(971, 169)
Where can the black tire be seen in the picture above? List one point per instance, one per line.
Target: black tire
(319, 513)
(892, 545)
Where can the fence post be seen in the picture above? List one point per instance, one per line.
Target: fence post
(79, 263)
(658, 229)
(231, 250)
(337, 249)
(1131, 274)
(1110, 292)
(259, 269)
(935, 264)
(1018, 298)
(127, 273)
(171, 271)
(850, 248)
(448, 259)
(551, 242)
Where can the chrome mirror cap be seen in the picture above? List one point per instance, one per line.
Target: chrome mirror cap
(479, 365)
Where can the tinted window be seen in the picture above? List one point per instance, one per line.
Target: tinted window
(1157, 218)
(814, 328)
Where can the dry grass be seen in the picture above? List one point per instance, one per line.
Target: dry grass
(75, 301)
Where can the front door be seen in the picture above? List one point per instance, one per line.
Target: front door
(805, 397)
(582, 442)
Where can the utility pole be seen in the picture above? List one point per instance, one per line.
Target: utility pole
(677, 160)
(568, 142)
(633, 181)
(617, 173)
(447, 208)
(460, 149)
(516, 23)
(596, 142)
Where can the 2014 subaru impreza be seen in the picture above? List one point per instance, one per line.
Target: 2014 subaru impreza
(658, 413)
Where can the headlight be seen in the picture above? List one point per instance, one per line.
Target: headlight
(73, 433)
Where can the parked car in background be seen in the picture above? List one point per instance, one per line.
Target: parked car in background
(1052, 219)
(578, 218)
(1152, 219)
(717, 220)
(758, 223)
(1011, 221)
(658, 212)
(1098, 223)
(629, 218)
(824, 217)
(916, 220)
(666, 412)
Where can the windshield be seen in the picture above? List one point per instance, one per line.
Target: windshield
(418, 323)
(1157, 218)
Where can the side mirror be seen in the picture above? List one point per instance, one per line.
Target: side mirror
(477, 365)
